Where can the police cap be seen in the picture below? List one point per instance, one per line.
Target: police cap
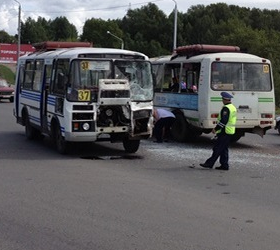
(226, 95)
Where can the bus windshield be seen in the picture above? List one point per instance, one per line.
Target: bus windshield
(85, 75)
(240, 76)
(139, 77)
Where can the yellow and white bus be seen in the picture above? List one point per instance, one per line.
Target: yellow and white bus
(75, 93)
(190, 81)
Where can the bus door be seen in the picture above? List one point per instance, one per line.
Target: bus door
(19, 79)
(44, 97)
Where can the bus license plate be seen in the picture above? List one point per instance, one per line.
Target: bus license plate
(249, 110)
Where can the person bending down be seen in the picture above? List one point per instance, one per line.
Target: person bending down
(163, 122)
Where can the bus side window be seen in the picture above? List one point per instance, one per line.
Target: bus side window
(171, 78)
(37, 82)
(47, 76)
(191, 73)
(158, 77)
(60, 81)
(21, 76)
(28, 75)
(192, 81)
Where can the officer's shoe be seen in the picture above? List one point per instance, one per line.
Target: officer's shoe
(222, 168)
(205, 165)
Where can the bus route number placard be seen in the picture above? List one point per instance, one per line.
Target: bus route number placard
(84, 95)
(85, 65)
(265, 68)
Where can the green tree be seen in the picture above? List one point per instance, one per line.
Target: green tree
(33, 31)
(200, 25)
(150, 25)
(62, 30)
(95, 31)
(5, 37)
(45, 25)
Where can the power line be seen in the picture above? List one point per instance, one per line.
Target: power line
(97, 9)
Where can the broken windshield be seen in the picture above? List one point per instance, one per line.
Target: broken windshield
(85, 75)
(139, 75)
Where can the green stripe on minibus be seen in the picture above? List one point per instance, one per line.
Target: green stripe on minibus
(265, 99)
(216, 99)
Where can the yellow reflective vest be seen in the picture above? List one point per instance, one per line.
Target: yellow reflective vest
(230, 126)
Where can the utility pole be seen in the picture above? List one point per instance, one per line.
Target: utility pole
(175, 26)
(19, 28)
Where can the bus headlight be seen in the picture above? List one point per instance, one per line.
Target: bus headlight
(86, 126)
(109, 112)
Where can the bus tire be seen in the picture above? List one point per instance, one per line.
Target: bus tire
(278, 127)
(30, 132)
(60, 143)
(179, 128)
(131, 146)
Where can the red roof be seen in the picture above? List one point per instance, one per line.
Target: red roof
(56, 45)
(197, 49)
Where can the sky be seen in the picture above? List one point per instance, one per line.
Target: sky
(77, 11)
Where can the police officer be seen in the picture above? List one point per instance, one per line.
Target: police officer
(224, 130)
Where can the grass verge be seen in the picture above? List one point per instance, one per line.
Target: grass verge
(7, 74)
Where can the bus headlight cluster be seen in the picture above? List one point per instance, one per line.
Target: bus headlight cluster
(82, 126)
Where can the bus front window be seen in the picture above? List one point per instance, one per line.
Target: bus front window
(84, 77)
(140, 79)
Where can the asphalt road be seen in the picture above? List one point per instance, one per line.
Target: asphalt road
(98, 197)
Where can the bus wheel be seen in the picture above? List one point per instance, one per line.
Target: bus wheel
(131, 146)
(179, 128)
(278, 127)
(30, 132)
(61, 144)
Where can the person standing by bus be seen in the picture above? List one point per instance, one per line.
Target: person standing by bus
(224, 130)
(163, 122)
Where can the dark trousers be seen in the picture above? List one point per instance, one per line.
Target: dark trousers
(220, 149)
(163, 124)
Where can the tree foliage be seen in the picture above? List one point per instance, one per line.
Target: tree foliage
(5, 37)
(95, 31)
(62, 30)
(59, 29)
(33, 31)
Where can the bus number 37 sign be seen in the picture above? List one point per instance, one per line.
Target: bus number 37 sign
(84, 95)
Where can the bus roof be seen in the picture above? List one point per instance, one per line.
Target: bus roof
(86, 52)
(223, 57)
